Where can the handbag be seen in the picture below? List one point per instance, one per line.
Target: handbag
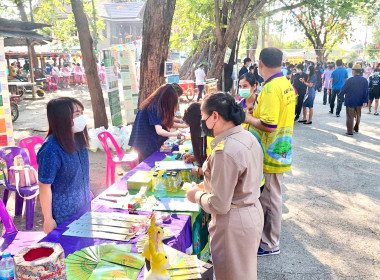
(21, 177)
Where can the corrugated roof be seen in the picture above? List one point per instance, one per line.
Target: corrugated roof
(129, 10)
(21, 25)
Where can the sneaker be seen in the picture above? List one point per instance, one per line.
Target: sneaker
(263, 253)
(331, 112)
(349, 134)
(337, 116)
(376, 114)
(369, 112)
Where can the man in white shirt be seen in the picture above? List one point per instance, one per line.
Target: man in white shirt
(200, 78)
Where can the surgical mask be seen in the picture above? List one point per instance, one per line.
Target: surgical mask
(376, 73)
(205, 130)
(299, 70)
(259, 89)
(79, 124)
(244, 92)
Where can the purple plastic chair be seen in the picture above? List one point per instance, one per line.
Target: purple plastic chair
(13, 241)
(8, 154)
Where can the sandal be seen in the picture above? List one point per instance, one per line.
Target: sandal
(302, 121)
(307, 122)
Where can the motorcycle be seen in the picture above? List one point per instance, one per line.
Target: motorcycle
(21, 90)
(15, 99)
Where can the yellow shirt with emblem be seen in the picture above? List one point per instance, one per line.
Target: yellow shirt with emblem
(275, 108)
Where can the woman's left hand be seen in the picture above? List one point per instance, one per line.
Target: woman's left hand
(190, 195)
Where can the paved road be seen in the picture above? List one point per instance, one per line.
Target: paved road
(331, 209)
(331, 202)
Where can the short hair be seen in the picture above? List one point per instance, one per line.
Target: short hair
(271, 57)
(331, 66)
(247, 59)
(350, 65)
(251, 68)
(299, 66)
(339, 62)
(201, 65)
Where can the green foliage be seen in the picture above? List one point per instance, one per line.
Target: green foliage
(326, 23)
(193, 24)
(58, 14)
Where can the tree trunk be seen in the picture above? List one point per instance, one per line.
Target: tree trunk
(24, 17)
(157, 24)
(252, 52)
(238, 9)
(89, 63)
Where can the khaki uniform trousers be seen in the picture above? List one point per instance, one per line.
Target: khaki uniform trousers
(235, 239)
(271, 201)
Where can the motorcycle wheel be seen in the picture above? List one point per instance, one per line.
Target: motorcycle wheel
(40, 93)
(190, 95)
(14, 111)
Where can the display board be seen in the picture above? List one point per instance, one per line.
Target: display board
(6, 128)
(112, 78)
(129, 80)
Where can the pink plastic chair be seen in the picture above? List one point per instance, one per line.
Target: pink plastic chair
(131, 159)
(30, 144)
(12, 240)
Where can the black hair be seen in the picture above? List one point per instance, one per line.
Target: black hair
(226, 107)
(251, 68)
(250, 78)
(300, 66)
(350, 65)
(60, 113)
(193, 118)
(331, 66)
(339, 62)
(311, 72)
(247, 59)
(271, 57)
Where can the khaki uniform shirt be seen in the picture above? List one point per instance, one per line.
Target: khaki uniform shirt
(232, 173)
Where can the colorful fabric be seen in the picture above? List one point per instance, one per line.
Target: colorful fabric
(275, 109)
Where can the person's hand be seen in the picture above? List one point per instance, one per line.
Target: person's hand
(49, 225)
(188, 158)
(365, 105)
(177, 133)
(190, 195)
(250, 110)
(195, 171)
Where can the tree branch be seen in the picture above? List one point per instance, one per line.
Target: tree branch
(285, 8)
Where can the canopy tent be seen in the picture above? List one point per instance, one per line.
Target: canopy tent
(296, 56)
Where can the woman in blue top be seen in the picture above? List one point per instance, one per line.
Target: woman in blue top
(309, 96)
(63, 167)
(153, 121)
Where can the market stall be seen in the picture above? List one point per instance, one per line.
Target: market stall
(179, 227)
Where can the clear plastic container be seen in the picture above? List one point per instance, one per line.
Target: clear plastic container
(7, 267)
(160, 188)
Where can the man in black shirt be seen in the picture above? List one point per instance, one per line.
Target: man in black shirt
(300, 87)
(244, 69)
(374, 91)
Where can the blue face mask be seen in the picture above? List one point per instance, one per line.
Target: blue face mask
(259, 89)
(245, 92)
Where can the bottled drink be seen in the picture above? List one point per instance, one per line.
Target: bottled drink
(174, 181)
(7, 267)
(154, 180)
(169, 181)
(159, 188)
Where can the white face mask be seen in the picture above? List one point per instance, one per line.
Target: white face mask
(79, 124)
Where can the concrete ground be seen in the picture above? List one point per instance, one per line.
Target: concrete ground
(331, 199)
